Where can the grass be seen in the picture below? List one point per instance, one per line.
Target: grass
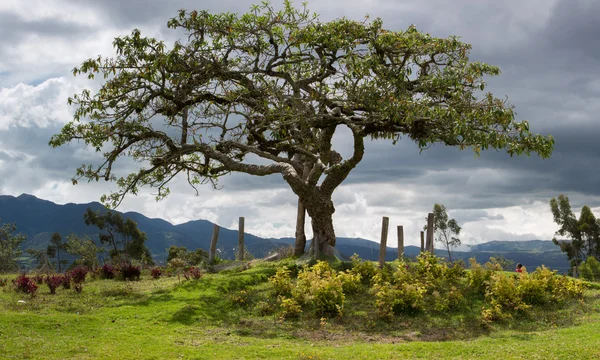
(211, 318)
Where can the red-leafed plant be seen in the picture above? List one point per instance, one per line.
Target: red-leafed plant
(66, 281)
(130, 272)
(155, 273)
(53, 282)
(25, 284)
(38, 278)
(78, 274)
(194, 273)
(108, 271)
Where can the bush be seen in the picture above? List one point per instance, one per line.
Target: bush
(25, 284)
(590, 269)
(129, 272)
(282, 283)
(366, 269)
(38, 278)
(320, 288)
(241, 298)
(479, 276)
(289, 308)
(66, 281)
(53, 282)
(393, 297)
(108, 271)
(193, 273)
(155, 273)
(78, 274)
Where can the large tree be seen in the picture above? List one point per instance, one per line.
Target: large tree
(584, 233)
(445, 229)
(10, 246)
(264, 93)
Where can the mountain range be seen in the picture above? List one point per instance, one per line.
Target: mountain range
(39, 219)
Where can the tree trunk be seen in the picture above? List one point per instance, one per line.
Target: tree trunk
(449, 255)
(300, 235)
(320, 209)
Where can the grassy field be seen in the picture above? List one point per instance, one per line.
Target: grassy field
(210, 319)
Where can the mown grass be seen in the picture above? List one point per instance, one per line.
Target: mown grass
(199, 319)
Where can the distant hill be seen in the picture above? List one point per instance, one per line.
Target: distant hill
(40, 218)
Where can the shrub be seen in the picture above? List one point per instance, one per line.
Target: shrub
(66, 281)
(241, 298)
(53, 282)
(25, 284)
(590, 269)
(320, 288)
(155, 273)
(38, 278)
(282, 283)
(265, 308)
(130, 271)
(193, 273)
(350, 281)
(479, 276)
(78, 274)
(392, 299)
(108, 271)
(289, 308)
(366, 269)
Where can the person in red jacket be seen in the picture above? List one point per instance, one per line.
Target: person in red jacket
(519, 268)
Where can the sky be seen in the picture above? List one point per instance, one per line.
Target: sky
(548, 52)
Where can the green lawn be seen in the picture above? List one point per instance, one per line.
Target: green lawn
(169, 319)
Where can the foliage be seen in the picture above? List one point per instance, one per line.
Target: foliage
(78, 274)
(53, 282)
(590, 269)
(364, 268)
(57, 245)
(320, 288)
(289, 308)
(108, 271)
(66, 280)
(193, 273)
(445, 228)
(41, 259)
(282, 282)
(25, 284)
(479, 276)
(128, 271)
(290, 82)
(189, 258)
(155, 273)
(502, 262)
(124, 238)
(584, 232)
(10, 246)
(85, 249)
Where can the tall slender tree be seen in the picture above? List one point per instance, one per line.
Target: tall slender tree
(445, 229)
(10, 246)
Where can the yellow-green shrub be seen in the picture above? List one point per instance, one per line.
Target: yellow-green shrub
(289, 308)
(319, 287)
(366, 269)
(282, 282)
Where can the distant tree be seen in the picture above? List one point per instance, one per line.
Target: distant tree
(125, 240)
(265, 92)
(55, 248)
(10, 246)
(444, 229)
(584, 233)
(42, 258)
(195, 257)
(85, 249)
(504, 263)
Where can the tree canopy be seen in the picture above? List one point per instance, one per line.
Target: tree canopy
(125, 240)
(276, 85)
(10, 246)
(584, 233)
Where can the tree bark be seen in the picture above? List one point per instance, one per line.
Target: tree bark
(300, 235)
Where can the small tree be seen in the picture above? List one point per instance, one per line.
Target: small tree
(10, 246)
(445, 229)
(123, 237)
(584, 233)
(278, 85)
(195, 257)
(85, 249)
(55, 248)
